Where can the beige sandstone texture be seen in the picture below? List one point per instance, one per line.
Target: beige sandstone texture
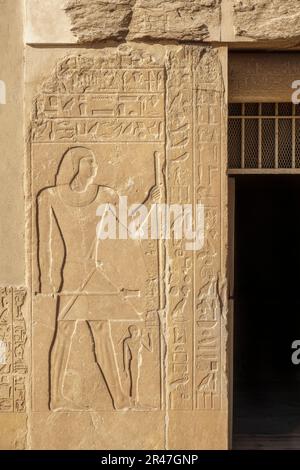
(168, 19)
(275, 74)
(267, 19)
(84, 21)
(164, 19)
(128, 336)
(99, 19)
(13, 336)
(11, 146)
(121, 344)
(47, 22)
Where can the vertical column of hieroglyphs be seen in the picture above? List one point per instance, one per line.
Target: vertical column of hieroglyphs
(13, 368)
(209, 278)
(180, 191)
(107, 110)
(194, 157)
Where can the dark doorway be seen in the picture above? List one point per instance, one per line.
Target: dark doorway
(266, 388)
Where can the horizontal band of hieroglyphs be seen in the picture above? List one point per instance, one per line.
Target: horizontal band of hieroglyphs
(97, 130)
(112, 80)
(129, 105)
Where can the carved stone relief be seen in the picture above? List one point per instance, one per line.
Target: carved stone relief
(127, 325)
(13, 338)
(210, 21)
(246, 70)
(98, 127)
(194, 153)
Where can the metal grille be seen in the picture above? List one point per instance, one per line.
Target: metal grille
(264, 136)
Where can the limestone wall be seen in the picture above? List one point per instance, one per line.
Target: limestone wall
(237, 21)
(117, 344)
(151, 116)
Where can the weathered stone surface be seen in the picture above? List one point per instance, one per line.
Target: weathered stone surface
(267, 19)
(101, 110)
(12, 225)
(97, 431)
(84, 21)
(125, 342)
(160, 19)
(14, 431)
(197, 383)
(99, 19)
(47, 22)
(275, 74)
(195, 91)
(196, 20)
(128, 336)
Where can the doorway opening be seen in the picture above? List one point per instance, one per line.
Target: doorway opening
(266, 383)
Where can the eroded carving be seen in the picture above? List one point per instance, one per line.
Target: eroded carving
(89, 122)
(100, 19)
(194, 151)
(135, 19)
(99, 132)
(13, 338)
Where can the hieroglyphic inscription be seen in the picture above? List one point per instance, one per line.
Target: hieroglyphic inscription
(102, 100)
(181, 191)
(194, 154)
(13, 368)
(98, 133)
